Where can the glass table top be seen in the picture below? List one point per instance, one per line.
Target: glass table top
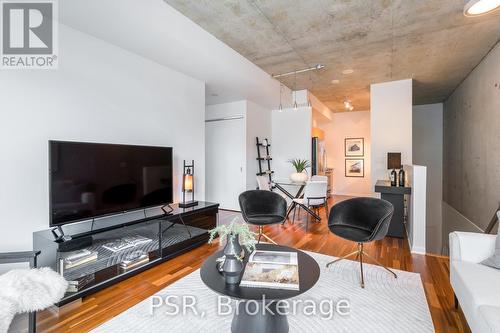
(288, 182)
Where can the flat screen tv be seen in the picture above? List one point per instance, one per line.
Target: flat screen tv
(91, 180)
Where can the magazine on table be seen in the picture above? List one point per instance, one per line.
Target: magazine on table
(272, 269)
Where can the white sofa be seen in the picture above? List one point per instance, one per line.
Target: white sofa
(477, 287)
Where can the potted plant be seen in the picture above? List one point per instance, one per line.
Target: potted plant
(300, 167)
(237, 234)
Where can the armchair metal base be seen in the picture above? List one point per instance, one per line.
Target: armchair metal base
(359, 254)
(262, 234)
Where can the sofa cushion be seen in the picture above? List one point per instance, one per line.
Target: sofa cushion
(475, 284)
(494, 260)
(489, 316)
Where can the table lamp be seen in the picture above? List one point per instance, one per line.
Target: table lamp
(393, 162)
(188, 185)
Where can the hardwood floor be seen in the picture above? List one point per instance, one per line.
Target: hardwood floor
(104, 305)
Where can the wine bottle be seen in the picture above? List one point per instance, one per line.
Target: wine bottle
(394, 177)
(401, 177)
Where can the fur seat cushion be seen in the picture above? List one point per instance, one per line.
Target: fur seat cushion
(26, 290)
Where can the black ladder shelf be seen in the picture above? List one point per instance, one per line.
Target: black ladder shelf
(264, 144)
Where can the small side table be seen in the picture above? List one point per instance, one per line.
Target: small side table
(260, 322)
(396, 196)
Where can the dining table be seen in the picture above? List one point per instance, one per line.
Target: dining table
(280, 185)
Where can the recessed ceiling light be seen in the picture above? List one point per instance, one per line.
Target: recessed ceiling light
(335, 81)
(480, 7)
(347, 71)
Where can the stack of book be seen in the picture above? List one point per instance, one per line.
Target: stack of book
(126, 242)
(77, 285)
(77, 258)
(133, 260)
(272, 269)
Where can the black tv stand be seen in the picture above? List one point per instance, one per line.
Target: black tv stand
(120, 247)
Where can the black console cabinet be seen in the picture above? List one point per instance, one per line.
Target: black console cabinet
(146, 238)
(396, 196)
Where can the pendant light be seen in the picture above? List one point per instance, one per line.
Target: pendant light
(295, 106)
(309, 104)
(280, 107)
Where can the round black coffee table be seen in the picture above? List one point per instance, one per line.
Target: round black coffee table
(255, 319)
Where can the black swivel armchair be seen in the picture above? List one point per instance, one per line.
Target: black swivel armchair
(262, 208)
(361, 220)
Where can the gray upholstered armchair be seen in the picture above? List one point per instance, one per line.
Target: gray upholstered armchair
(27, 290)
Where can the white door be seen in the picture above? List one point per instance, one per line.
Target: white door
(225, 162)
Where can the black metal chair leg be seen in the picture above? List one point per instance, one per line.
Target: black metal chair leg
(32, 322)
(327, 210)
(361, 264)
(307, 223)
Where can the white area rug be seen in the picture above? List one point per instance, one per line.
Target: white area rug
(385, 305)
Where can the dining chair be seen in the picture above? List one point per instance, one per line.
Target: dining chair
(319, 178)
(314, 197)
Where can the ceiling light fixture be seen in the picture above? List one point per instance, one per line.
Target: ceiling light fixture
(280, 107)
(480, 7)
(347, 71)
(348, 104)
(335, 81)
(315, 68)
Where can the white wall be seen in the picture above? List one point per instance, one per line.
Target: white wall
(391, 125)
(428, 151)
(100, 93)
(225, 146)
(416, 225)
(155, 30)
(291, 138)
(348, 125)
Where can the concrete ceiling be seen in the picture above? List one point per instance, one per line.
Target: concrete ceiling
(381, 40)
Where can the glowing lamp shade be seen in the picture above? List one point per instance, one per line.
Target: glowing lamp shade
(480, 7)
(188, 185)
(188, 182)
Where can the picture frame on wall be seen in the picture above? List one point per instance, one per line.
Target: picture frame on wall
(354, 147)
(355, 167)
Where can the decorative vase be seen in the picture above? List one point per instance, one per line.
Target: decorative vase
(298, 177)
(232, 265)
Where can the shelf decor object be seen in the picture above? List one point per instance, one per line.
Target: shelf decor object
(234, 233)
(267, 158)
(188, 185)
(300, 167)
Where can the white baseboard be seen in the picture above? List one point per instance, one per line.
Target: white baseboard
(418, 250)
